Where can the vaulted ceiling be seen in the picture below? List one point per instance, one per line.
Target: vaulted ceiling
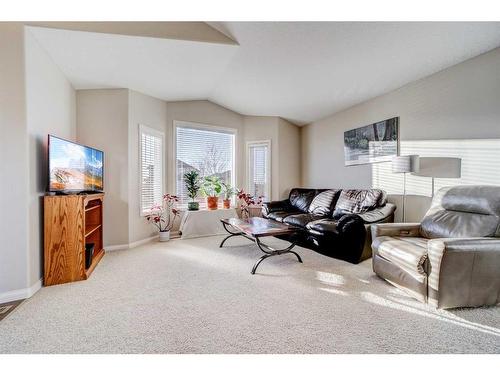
(301, 71)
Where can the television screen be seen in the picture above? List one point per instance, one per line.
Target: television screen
(73, 167)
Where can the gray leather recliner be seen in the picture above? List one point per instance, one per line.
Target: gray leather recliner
(450, 259)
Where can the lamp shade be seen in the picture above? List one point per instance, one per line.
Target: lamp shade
(440, 167)
(405, 164)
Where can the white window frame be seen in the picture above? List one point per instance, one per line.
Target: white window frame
(143, 129)
(249, 144)
(201, 126)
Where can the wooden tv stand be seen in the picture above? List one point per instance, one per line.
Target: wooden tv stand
(70, 222)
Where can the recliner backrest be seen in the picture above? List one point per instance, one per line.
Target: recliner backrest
(463, 211)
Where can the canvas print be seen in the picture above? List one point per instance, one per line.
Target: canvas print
(74, 167)
(372, 143)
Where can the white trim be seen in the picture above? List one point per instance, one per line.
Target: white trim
(266, 142)
(130, 245)
(208, 127)
(147, 130)
(15, 295)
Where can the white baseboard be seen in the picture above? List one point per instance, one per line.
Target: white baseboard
(130, 245)
(15, 295)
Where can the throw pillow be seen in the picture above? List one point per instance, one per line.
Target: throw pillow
(357, 201)
(322, 203)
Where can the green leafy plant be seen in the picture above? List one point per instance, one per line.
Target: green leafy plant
(229, 191)
(193, 183)
(212, 186)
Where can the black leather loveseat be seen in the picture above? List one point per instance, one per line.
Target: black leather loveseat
(334, 222)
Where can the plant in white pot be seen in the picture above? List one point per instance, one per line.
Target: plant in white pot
(163, 216)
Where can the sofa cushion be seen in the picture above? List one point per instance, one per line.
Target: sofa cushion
(323, 202)
(409, 253)
(357, 201)
(280, 215)
(302, 198)
(300, 220)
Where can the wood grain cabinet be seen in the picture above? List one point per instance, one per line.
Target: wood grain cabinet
(71, 222)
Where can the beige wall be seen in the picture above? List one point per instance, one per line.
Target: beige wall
(152, 112)
(14, 271)
(289, 157)
(50, 109)
(102, 122)
(459, 103)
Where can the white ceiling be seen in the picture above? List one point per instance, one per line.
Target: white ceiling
(301, 71)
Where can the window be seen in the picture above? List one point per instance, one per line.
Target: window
(207, 149)
(151, 143)
(259, 169)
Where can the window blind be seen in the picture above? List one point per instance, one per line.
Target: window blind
(258, 169)
(209, 152)
(151, 168)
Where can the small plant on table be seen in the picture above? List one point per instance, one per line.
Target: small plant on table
(247, 202)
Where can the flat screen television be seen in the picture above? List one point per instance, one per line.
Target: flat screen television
(74, 168)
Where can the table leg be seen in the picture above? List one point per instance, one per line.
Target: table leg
(269, 252)
(231, 234)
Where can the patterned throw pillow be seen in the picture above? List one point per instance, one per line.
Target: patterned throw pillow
(357, 201)
(322, 203)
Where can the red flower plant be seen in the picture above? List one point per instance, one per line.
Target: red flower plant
(248, 200)
(163, 216)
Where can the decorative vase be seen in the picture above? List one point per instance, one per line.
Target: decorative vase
(165, 236)
(212, 203)
(226, 203)
(193, 206)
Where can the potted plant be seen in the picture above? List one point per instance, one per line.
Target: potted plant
(247, 202)
(193, 186)
(163, 216)
(229, 191)
(212, 188)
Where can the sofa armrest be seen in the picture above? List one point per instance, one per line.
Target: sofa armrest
(379, 214)
(463, 272)
(274, 206)
(395, 230)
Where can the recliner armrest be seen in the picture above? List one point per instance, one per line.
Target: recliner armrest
(274, 206)
(395, 230)
(462, 271)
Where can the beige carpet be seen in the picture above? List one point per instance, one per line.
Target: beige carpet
(189, 296)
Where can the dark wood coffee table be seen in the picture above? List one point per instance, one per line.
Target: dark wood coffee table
(254, 229)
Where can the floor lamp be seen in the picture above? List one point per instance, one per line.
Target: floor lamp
(439, 167)
(405, 164)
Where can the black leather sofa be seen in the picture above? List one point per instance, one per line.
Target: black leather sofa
(333, 222)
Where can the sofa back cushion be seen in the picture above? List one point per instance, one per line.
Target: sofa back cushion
(463, 211)
(302, 198)
(323, 203)
(358, 201)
